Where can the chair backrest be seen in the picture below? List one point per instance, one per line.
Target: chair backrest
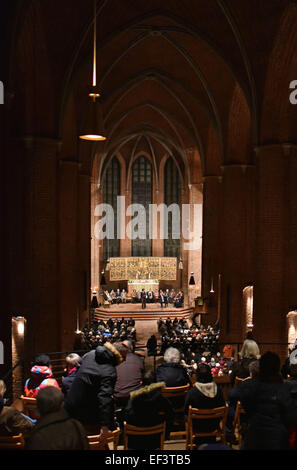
(30, 407)
(130, 430)
(12, 442)
(113, 437)
(237, 427)
(219, 413)
(172, 392)
(238, 380)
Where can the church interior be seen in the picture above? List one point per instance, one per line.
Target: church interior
(197, 102)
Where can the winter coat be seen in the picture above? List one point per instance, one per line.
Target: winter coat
(129, 376)
(41, 376)
(147, 407)
(270, 411)
(68, 380)
(241, 369)
(12, 422)
(174, 375)
(90, 399)
(204, 396)
(57, 431)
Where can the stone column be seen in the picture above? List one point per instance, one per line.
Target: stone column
(211, 264)
(236, 247)
(68, 251)
(84, 246)
(195, 253)
(41, 246)
(276, 245)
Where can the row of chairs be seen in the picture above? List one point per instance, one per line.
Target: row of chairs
(185, 429)
(17, 442)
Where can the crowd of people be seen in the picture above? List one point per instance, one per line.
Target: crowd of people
(110, 384)
(194, 342)
(99, 332)
(162, 296)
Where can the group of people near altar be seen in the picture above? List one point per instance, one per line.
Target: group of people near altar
(163, 296)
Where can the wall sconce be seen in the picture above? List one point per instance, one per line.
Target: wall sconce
(103, 281)
(211, 286)
(20, 325)
(77, 331)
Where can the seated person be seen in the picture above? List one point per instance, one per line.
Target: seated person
(55, 430)
(147, 407)
(41, 376)
(150, 297)
(113, 296)
(171, 296)
(73, 361)
(205, 394)
(129, 375)
(179, 300)
(106, 296)
(12, 422)
(234, 397)
(134, 297)
(173, 373)
(118, 297)
(124, 296)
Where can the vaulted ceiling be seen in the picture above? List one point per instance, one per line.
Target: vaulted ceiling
(184, 78)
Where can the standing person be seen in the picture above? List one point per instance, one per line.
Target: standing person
(41, 376)
(129, 376)
(270, 409)
(73, 362)
(55, 430)
(162, 298)
(249, 352)
(90, 399)
(143, 299)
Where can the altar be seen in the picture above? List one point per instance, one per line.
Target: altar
(146, 284)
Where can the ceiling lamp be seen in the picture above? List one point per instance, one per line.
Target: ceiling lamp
(93, 129)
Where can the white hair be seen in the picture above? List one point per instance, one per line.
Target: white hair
(249, 349)
(172, 355)
(72, 359)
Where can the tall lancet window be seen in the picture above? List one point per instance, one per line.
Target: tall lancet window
(142, 177)
(112, 189)
(172, 196)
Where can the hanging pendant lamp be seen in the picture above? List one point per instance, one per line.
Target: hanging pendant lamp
(192, 280)
(93, 127)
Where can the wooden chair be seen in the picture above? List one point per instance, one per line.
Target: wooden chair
(237, 381)
(30, 407)
(237, 426)
(130, 430)
(219, 413)
(12, 442)
(177, 392)
(113, 437)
